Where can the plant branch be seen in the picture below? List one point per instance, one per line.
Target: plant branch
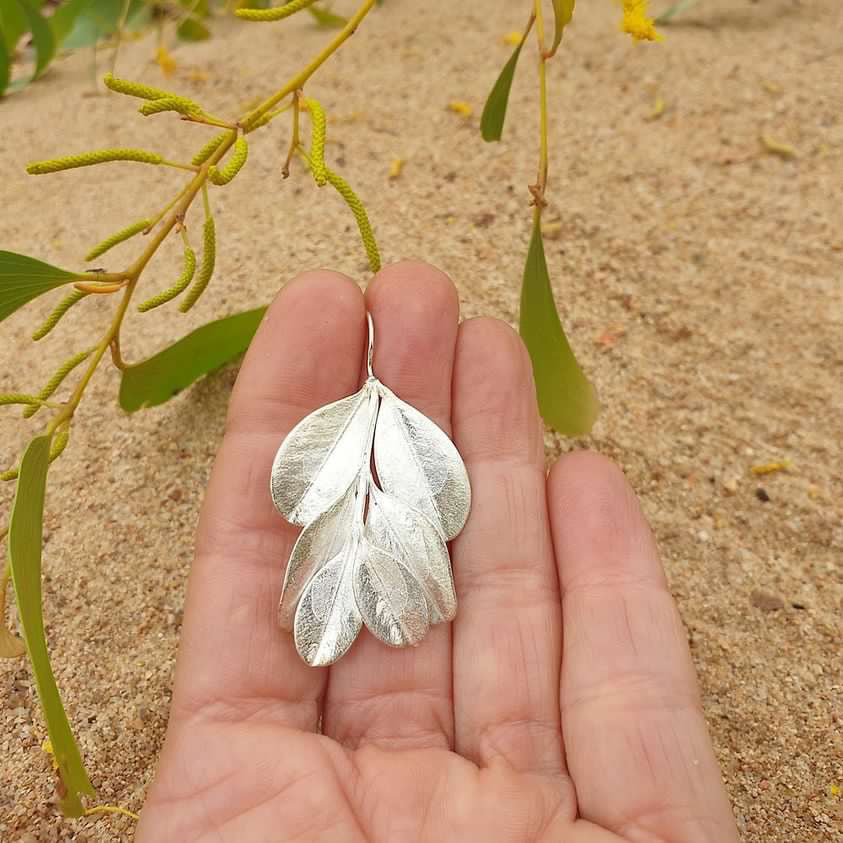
(116, 356)
(132, 276)
(541, 181)
(208, 120)
(298, 81)
(174, 213)
(294, 140)
(189, 167)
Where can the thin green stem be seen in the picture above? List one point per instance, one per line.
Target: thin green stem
(294, 141)
(181, 206)
(160, 215)
(116, 356)
(124, 14)
(189, 167)
(299, 80)
(208, 120)
(541, 182)
(206, 204)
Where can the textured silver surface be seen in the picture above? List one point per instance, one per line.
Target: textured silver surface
(327, 618)
(390, 599)
(418, 464)
(406, 534)
(321, 456)
(372, 551)
(322, 539)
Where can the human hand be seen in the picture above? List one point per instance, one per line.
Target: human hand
(561, 704)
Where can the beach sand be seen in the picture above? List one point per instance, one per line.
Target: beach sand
(698, 274)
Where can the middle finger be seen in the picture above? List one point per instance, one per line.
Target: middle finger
(507, 633)
(402, 698)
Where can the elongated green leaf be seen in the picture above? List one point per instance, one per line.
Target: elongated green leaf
(5, 66)
(64, 18)
(326, 18)
(42, 36)
(494, 112)
(566, 398)
(24, 546)
(94, 21)
(23, 278)
(12, 24)
(167, 373)
(563, 11)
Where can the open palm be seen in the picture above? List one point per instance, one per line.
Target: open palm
(561, 704)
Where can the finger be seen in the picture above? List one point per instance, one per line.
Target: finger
(635, 738)
(377, 694)
(507, 630)
(234, 658)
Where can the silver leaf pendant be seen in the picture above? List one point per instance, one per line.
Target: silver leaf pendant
(379, 489)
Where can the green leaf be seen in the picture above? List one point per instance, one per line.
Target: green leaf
(12, 24)
(42, 36)
(567, 400)
(563, 11)
(494, 112)
(24, 547)
(140, 17)
(96, 20)
(64, 18)
(326, 18)
(167, 373)
(191, 29)
(23, 278)
(5, 66)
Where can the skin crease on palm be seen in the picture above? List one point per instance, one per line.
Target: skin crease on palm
(560, 705)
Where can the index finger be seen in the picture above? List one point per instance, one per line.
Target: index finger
(233, 653)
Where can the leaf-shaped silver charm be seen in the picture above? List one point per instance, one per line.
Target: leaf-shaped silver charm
(327, 619)
(320, 541)
(413, 540)
(418, 463)
(368, 554)
(321, 456)
(390, 599)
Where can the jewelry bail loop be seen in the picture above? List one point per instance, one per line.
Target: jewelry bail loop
(370, 351)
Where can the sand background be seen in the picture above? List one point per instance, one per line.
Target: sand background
(700, 281)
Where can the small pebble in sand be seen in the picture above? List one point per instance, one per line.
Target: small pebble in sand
(765, 601)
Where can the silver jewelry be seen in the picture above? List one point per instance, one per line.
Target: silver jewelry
(379, 489)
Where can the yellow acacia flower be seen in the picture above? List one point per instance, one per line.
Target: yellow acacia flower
(636, 22)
